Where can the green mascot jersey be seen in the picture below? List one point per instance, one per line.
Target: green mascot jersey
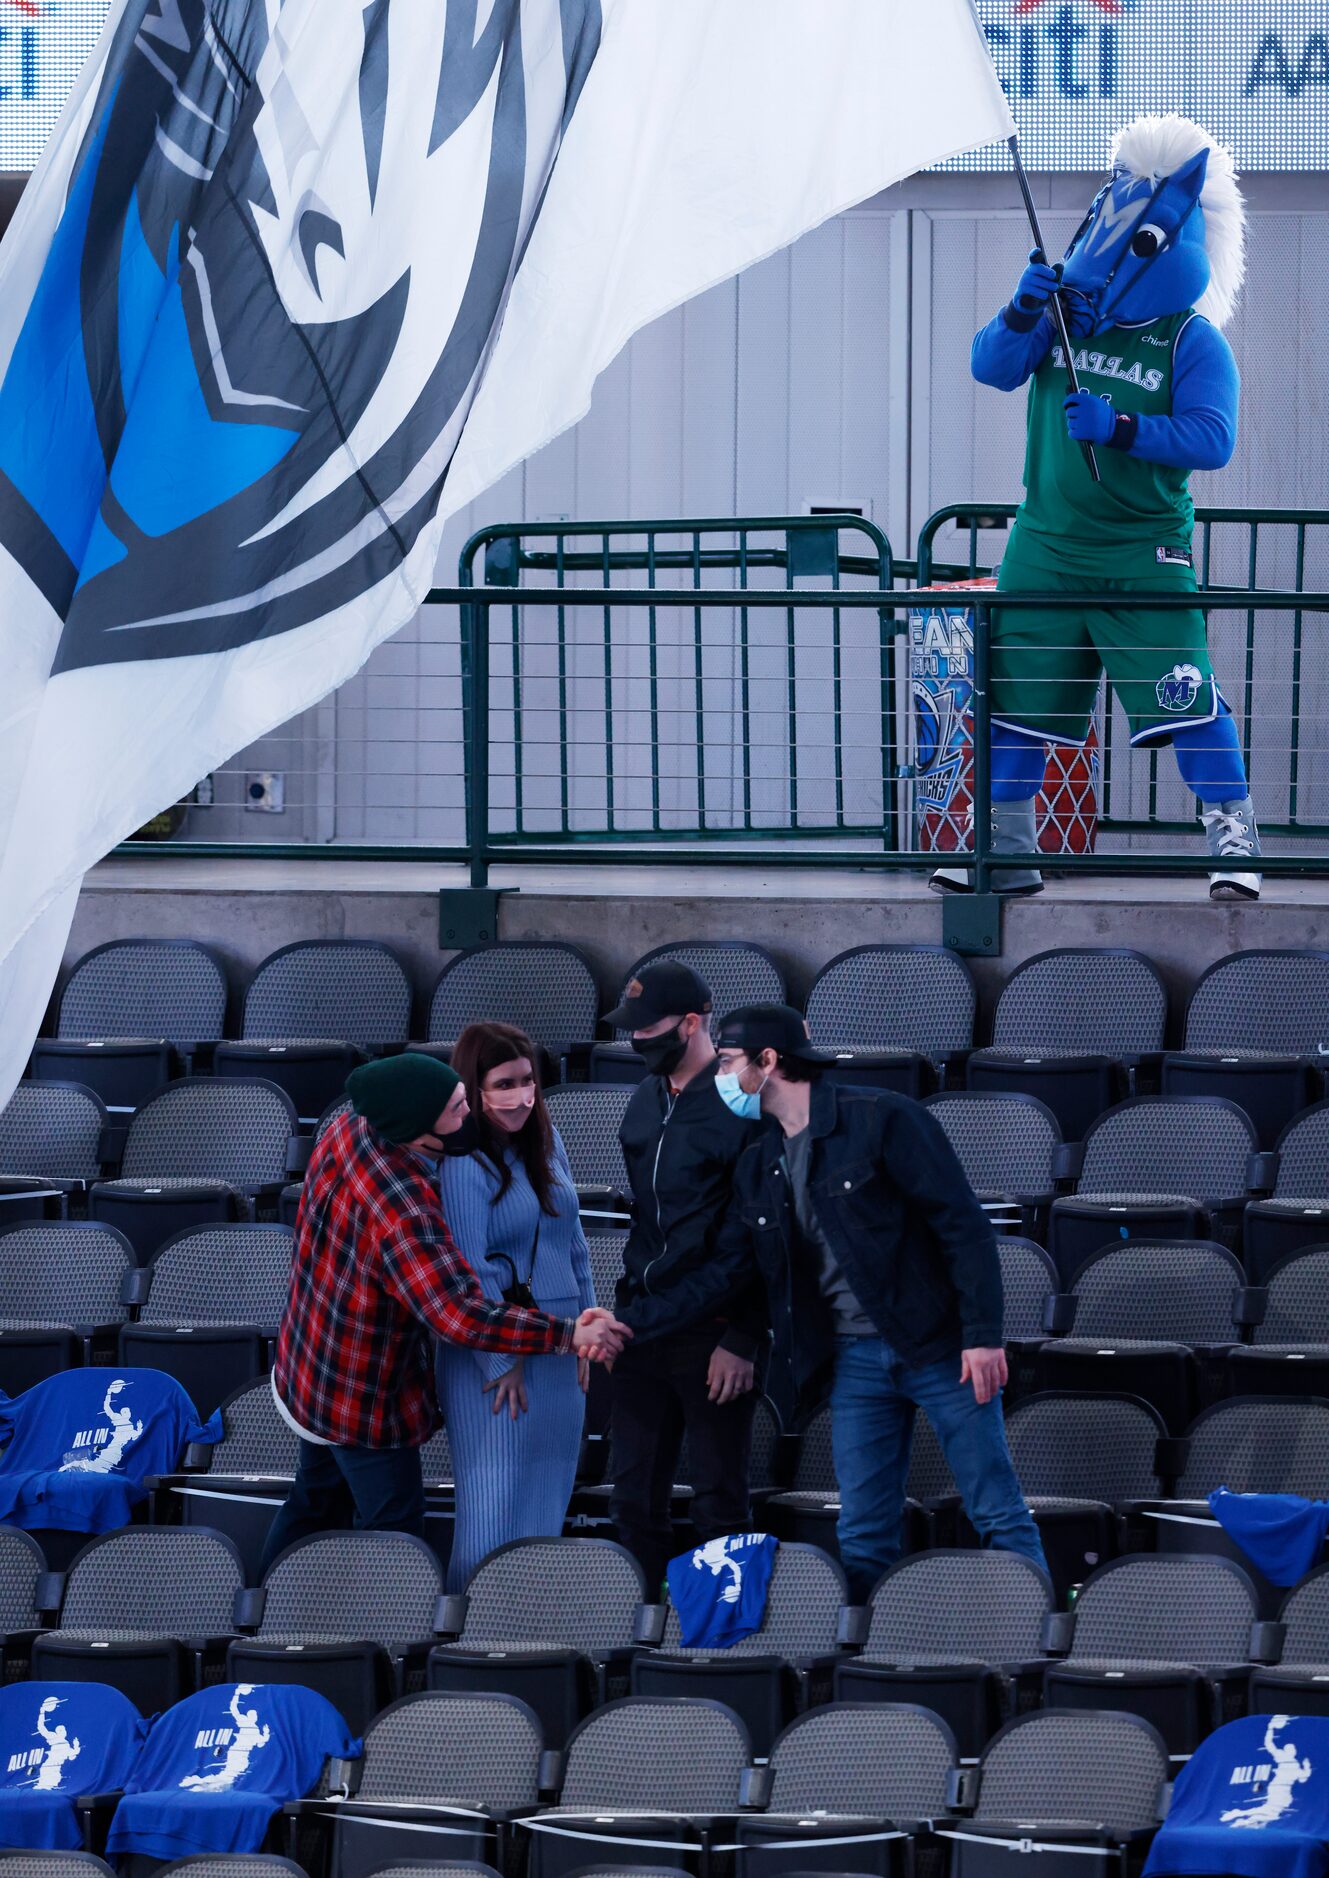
(1115, 525)
(1128, 534)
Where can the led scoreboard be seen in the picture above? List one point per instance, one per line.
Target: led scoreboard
(1255, 72)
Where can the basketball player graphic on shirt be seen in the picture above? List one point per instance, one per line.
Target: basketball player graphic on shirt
(1289, 1772)
(60, 1750)
(713, 1553)
(247, 1737)
(125, 1431)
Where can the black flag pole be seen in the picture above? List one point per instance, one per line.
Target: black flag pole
(1058, 310)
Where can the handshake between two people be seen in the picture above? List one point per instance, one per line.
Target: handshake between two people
(598, 1337)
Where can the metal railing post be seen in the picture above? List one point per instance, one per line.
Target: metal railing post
(475, 683)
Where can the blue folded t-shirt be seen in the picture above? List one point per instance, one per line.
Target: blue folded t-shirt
(1280, 1533)
(1252, 1800)
(218, 1765)
(719, 1589)
(57, 1740)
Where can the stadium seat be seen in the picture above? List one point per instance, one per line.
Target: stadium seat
(893, 1015)
(736, 972)
(1009, 1147)
(1169, 1639)
(1060, 1787)
(1299, 1680)
(782, 1668)
(1297, 1214)
(1252, 1444)
(441, 1775)
(1028, 1285)
(588, 1121)
(1289, 1354)
(642, 1769)
(1253, 1034)
(202, 1152)
(22, 1570)
(1071, 1027)
(957, 1632)
(1086, 1464)
(544, 987)
(147, 1610)
(208, 1307)
(314, 1010)
(52, 1140)
(59, 1297)
(871, 1769)
(452, 1868)
(551, 1621)
(1147, 1319)
(605, 1244)
(52, 1864)
(350, 1614)
(236, 1486)
(1156, 1167)
(131, 1015)
(805, 1508)
(232, 1865)
(59, 1741)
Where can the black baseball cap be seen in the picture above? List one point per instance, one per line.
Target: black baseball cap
(757, 1027)
(664, 990)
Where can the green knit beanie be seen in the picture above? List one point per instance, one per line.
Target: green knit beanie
(402, 1096)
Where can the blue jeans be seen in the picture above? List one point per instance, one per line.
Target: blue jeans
(873, 1399)
(371, 1489)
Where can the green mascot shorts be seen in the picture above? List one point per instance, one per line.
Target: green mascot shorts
(1046, 665)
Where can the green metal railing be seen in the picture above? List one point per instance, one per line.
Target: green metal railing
(766, 579)
(793, 549)
(1237, 534)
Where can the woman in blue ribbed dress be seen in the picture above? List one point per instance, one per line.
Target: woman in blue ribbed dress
(515, 1429)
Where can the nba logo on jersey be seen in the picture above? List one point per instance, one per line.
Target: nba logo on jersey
(1178, 689)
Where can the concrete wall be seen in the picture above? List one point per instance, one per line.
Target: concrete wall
(837, 371)
(248, 910)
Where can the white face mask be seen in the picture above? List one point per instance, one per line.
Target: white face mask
(744, 1103)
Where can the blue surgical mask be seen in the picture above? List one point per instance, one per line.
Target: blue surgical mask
(735, 1097)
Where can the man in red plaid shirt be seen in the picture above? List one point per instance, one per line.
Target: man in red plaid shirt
(375, 1271)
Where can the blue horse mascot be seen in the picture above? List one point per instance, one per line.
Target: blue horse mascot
(1150, 276)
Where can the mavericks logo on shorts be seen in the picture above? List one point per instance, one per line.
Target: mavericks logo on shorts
(1178, 689)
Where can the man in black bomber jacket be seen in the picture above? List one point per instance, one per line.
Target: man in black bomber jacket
(882, 1279)
(691, 1367)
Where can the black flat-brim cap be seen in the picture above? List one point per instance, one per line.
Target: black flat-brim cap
(779, 1027)
(664, 990)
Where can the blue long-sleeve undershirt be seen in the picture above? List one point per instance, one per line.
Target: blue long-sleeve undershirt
(1200, 433)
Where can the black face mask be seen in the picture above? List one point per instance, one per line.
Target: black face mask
(661, 1055)
(463, 1140)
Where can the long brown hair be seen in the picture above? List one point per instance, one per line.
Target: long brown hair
(480, 1048)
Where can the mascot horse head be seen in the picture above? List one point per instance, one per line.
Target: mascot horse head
(1164, 233)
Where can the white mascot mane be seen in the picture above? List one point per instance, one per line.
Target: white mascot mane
(1155, 147)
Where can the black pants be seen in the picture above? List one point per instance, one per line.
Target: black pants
(371, 1489)
(658, 1396)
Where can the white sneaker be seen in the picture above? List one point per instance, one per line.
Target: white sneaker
(1233, 836)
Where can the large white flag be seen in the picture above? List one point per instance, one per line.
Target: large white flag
(296, 279)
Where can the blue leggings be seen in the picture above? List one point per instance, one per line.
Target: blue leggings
(1208, 756)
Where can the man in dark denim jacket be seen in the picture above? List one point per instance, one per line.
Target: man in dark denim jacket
(882, 1277)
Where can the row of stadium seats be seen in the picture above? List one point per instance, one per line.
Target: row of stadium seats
(873, 1791)
(206, 1151)
(1171, 1321)
(564, 1625)
(1079, 1028)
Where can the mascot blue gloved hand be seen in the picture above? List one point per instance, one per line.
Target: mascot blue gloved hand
(1089, 418)
(1149, 277)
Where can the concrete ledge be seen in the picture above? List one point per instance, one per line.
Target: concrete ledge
(804, 916)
